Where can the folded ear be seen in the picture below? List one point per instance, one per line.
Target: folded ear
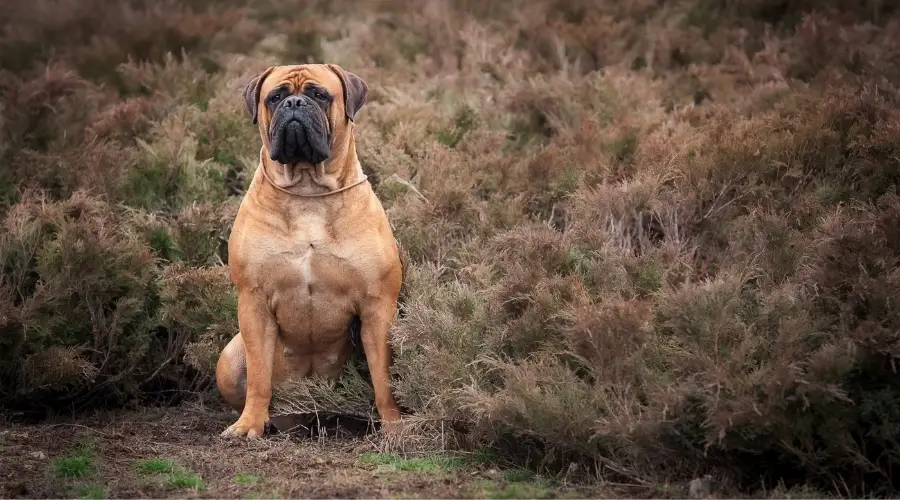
(355, 90)
(251, 93)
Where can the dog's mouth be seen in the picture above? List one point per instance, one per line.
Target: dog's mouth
(297, 137)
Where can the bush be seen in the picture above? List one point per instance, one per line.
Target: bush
(91, 312)
(199, 310)
(84, 293)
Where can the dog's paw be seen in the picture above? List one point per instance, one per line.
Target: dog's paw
(393, 430)
(250, 427)
(392, 425)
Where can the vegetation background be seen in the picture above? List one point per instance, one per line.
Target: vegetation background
(656, 238)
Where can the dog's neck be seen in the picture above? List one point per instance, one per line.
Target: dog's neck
(305, 179)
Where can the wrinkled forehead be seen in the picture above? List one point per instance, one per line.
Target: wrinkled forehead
(299, 75)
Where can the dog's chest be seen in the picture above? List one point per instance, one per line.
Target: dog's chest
(303, 266)
(318, 282)
(314, 268)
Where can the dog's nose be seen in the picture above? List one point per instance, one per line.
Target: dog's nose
(293, 102)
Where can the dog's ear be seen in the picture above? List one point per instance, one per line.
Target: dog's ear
(251, 93)
(355, 90)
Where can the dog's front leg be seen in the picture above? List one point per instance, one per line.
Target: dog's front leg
(260, 333)
(377, 316)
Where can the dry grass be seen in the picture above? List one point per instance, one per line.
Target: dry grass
(659, 241)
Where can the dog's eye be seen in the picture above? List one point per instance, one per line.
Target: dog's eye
(274, 98)
(319, 95)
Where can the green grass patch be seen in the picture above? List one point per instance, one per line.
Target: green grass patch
(80, 463)
(89, 491)
(76, 466)
(485, 456)
(439, 463)
(176, 476)
(186, 480)
(517, 483)
(515, 490)
(518, 475)
(156, 466)
(245, 479)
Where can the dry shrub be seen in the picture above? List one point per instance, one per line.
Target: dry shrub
(452, 214)
(95, 119)
(443, 326)
(199, 233)
(199, 311)
(225, 133)
(56, 366)
(169, 176)
(171, 78)
(82, 284)
(350, 395)
(421, 436)
(121, 120)
(557, 105)
(97, 167)
(71, 30)
(49, 110)
(793, 373)
(610, 338)
(89, 315)
(543, 404)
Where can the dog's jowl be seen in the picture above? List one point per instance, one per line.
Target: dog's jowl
(311, 249)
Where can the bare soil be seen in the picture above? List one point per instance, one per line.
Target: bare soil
(280, 465)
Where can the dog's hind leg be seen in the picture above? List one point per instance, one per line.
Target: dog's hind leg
(231, 373)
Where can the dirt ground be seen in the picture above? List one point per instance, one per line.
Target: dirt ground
(178, 453)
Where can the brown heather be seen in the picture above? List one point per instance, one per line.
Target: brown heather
(655, 239)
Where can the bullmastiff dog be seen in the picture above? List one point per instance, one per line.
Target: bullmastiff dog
(311, 250)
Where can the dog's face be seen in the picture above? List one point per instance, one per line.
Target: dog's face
(303, 111)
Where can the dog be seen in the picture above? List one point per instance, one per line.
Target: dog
(311, 250)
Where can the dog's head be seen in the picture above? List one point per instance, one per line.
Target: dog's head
(304, 111)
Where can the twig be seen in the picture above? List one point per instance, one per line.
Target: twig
(81, 426)
(713, 209)
(409, 185)
(155, 373)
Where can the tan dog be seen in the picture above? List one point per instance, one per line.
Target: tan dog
(311, 249)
